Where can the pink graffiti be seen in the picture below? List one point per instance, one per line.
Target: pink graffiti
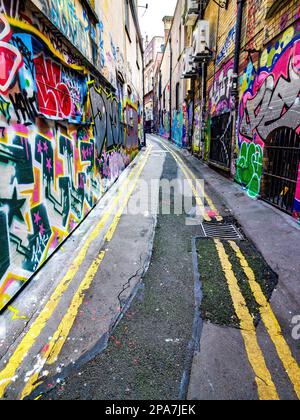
(297, 196)
(10, 58)
(54, 97)
(273, 101)
(220, 93)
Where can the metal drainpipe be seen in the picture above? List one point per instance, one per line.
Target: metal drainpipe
(143, 113)
(235, 80)
(171, 76)
(204, 104)
(237, 51)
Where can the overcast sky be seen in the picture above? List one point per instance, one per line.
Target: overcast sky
(151, 21)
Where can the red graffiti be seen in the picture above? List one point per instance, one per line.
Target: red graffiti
(54, 97)
(10, 58)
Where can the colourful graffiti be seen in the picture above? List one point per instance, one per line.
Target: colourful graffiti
(270, 97)
(71, 19)
(220, 100)
(249, 168)
(165, 126)
(61, 94)
(61, 147)
(297, 198)
(197, 129)
(177, 128)
(226, 47)
(180, 126)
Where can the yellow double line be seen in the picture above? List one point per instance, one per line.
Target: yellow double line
(190, 176)
(265, 384)
(7, 375)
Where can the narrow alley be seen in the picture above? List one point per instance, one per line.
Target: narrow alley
(135, 340)
(149, 202)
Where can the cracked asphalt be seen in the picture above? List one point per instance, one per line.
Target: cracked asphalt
(145, 357)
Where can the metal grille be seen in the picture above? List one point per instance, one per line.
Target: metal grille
(282, 158)
(221, 134)
(220, 231)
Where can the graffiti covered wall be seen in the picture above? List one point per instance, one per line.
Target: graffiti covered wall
(180, 126)
(70, 17)
(269, 101)
(220, 100)
(62, 144)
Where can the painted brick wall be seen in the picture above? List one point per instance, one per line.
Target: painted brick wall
(269, 89)
(65, 135)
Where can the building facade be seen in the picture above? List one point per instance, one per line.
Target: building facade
(229, 89)
(71, 95)
(152, 59)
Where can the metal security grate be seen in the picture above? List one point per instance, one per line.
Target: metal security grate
(221, 135)
(220, 231)
(282, 158)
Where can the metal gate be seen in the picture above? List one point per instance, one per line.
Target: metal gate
(221, 135)
(282, 158)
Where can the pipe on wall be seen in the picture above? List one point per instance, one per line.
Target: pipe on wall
(237, 48)
(171, 81)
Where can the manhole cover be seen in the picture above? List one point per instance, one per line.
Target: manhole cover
(221, 231)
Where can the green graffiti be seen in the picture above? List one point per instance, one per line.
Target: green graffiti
(250, 168)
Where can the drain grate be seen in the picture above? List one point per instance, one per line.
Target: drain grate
(220, 231)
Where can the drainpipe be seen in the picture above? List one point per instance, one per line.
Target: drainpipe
(133, 7)
(204, 105)
(237, 51)
(235, 80)
(171, 76)
(143, 112)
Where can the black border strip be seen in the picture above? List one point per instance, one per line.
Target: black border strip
(194, 344)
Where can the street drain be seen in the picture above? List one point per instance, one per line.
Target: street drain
(224, 231)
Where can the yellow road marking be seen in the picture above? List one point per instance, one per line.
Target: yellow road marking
(265, 385)
(208, 199)
(268, 317)
(60, 336)
(39, 324)
(199, 200)
(271, 323)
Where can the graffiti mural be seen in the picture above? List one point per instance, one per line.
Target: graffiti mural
(270, 100)
(197, 129)
(227, 46)
(221, 104)
(180, 126)
(220, 100)
(297, 199)
(249, 168)
(70, 18)
(165, 126)
(62, 144)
